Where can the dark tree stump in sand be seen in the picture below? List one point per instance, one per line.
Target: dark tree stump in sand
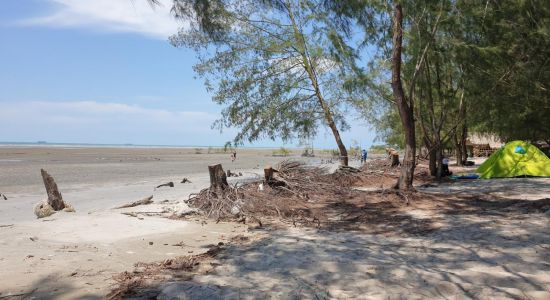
(394, 159)
(55, 200)
(271, 179)
(218, 178)
(268, 174)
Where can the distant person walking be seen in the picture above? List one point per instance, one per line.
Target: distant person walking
(233, 155)
(364, 156)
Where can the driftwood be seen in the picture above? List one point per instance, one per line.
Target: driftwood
(168, 184)
(289, 186)
(55, 200)
(185, 180)
(347, 170)
(3, 196)
(143, 201)
(218, 179)
(231, 174)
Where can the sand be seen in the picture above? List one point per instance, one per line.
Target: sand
(75, 255)
(72, 255)
(487, 255)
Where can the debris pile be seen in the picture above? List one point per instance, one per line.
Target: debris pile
(287, 191)
(145, 274)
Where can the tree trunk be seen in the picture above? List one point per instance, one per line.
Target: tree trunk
(462, 135)
(218, 179)
(55, 200)
(433, 162)
(459, 149)
(405, 108)
(463, 147)
(344, 160)
(312, 74)
(439, 159)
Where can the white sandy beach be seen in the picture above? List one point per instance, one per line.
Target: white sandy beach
(71, 255)
(75, 255)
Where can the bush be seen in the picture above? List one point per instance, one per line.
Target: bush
(281, 152)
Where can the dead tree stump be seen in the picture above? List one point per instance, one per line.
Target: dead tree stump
(268, 174)
(218, 179)
(394, 159)
(55, 200)
(270, 178)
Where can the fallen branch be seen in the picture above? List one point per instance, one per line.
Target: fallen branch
(168, 184)
(143, 201)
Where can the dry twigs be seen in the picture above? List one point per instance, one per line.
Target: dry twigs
(289, 201)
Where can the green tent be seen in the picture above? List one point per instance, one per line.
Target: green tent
(514, 159)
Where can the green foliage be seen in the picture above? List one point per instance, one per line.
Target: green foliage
(217, 150)
(508, 46)
(331, 152)
(281, 152)
(260, 70)
(354, 151)
(377, 149)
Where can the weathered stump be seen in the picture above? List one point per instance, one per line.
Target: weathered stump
(218, 178)
(394, 159)
(271, 179)
(55, 200)
(268, 173)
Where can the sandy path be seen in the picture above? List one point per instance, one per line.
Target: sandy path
(475, 259)
(471, 256)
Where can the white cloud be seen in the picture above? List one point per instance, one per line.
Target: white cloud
(110, 15)
(95, 122)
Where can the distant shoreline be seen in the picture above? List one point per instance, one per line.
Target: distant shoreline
(138, 146)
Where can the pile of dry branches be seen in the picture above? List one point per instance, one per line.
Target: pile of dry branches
(295, 188)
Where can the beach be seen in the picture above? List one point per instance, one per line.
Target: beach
(71, 255)
(472, 240)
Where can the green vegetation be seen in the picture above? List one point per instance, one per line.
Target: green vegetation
(282, 152)
(218, 150)
(272, 70)
(422, 73)
(377, 149)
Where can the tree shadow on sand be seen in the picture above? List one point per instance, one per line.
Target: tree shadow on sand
(48, 287)
(480, 248)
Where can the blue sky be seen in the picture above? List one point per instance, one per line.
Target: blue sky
(102, 71)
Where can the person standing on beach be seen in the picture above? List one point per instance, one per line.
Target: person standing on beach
(233, 155)
(364, 156)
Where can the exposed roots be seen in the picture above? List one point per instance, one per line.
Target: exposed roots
(297, 187)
